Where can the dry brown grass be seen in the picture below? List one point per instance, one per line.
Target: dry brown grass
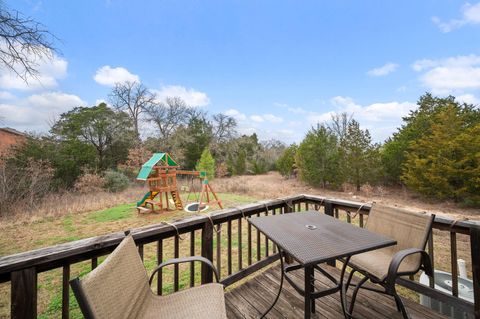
(273, 185)
(55, 205)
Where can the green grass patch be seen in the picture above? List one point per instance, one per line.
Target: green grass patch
(112, 214)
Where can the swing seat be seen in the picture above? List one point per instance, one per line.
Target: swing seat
(193, 207)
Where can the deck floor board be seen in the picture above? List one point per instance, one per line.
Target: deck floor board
(252, 298)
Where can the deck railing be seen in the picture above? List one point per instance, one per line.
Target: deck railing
(247, 251)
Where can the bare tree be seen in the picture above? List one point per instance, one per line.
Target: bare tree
(224, 127)
(339, 124)
(168, 116)
(133, 98)
(23, 43)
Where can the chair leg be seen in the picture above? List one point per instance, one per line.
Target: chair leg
(400, 305)
(355, 292)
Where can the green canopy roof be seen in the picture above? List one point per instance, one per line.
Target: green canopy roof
(148, 166)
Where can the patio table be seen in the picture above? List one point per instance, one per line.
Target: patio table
(312, 238)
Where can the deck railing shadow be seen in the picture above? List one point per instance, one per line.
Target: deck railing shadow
(226, 238)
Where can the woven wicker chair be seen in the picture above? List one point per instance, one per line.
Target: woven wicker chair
(384, 266)
(119, 288)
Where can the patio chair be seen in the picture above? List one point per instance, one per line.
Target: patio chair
(119, 288)
(384, 266)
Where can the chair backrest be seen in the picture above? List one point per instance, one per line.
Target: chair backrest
(410, 230)
(117, 287)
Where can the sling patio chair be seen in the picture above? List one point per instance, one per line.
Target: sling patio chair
(119, 288)
(384, 266)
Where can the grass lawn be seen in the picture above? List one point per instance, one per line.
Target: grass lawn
(51, 231)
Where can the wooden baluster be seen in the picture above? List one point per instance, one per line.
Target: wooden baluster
(219, 251)
(475, 253)
(192, 253)
(432, 259)
(274, 247)
(140, 251)
(259, 256)
(306, 206)
(24, 294)
(328, 209)
(240, 261)
(349, 219)
(94, 262)
(266, 240)
(176, 250)
(66, 292)
(207, 251)
(453, 260)
(249, 240)
(336, 213)
(361, 220)
(229, 247)
(160, 272)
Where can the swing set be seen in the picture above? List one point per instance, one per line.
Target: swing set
(161, 172)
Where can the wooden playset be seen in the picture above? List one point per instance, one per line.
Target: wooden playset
(160, 172)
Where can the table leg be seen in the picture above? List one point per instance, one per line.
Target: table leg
(308, 292)
(312, 282)
(343, 290)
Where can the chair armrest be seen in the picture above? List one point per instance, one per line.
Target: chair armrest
(185, 260)
(397, 260)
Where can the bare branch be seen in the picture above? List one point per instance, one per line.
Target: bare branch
(23, 43)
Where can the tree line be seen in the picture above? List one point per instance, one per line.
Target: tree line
(103, 144)
(435, 152)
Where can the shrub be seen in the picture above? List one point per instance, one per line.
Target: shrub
(115, 181)
(222, 170)
(23, 184)
(89, 183)
(206, 163)
(286, 162)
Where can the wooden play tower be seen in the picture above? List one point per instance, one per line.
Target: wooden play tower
(160, 172)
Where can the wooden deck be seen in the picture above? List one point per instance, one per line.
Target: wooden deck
(253, 297)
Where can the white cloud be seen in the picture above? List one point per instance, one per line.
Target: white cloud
(50, 70)
(235, 114)
(468, 98)
(257, 118)
(388, 114)
(36, 111)
(453, 74)
(266, 118)
(191, 96)
(470, 16)
(272, 118)
(385, 69)
(4, 95)
(295, 110)
(106, 75)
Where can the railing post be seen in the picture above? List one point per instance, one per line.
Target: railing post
(328, 208)
(207, 251)
(287, 208)
(329, 211)
(24, 294)
(475, 250)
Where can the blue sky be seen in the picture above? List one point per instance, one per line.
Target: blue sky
(277, 66)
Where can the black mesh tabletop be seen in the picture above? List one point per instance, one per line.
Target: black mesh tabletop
(313, 237)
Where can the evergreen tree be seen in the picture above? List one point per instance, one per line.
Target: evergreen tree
(318, 158)
(358, 155)
(286, 162)
(207, 163)
(416, 124)
(445, 162)
(197, 138)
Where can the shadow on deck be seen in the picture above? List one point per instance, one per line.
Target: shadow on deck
(252, 298)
